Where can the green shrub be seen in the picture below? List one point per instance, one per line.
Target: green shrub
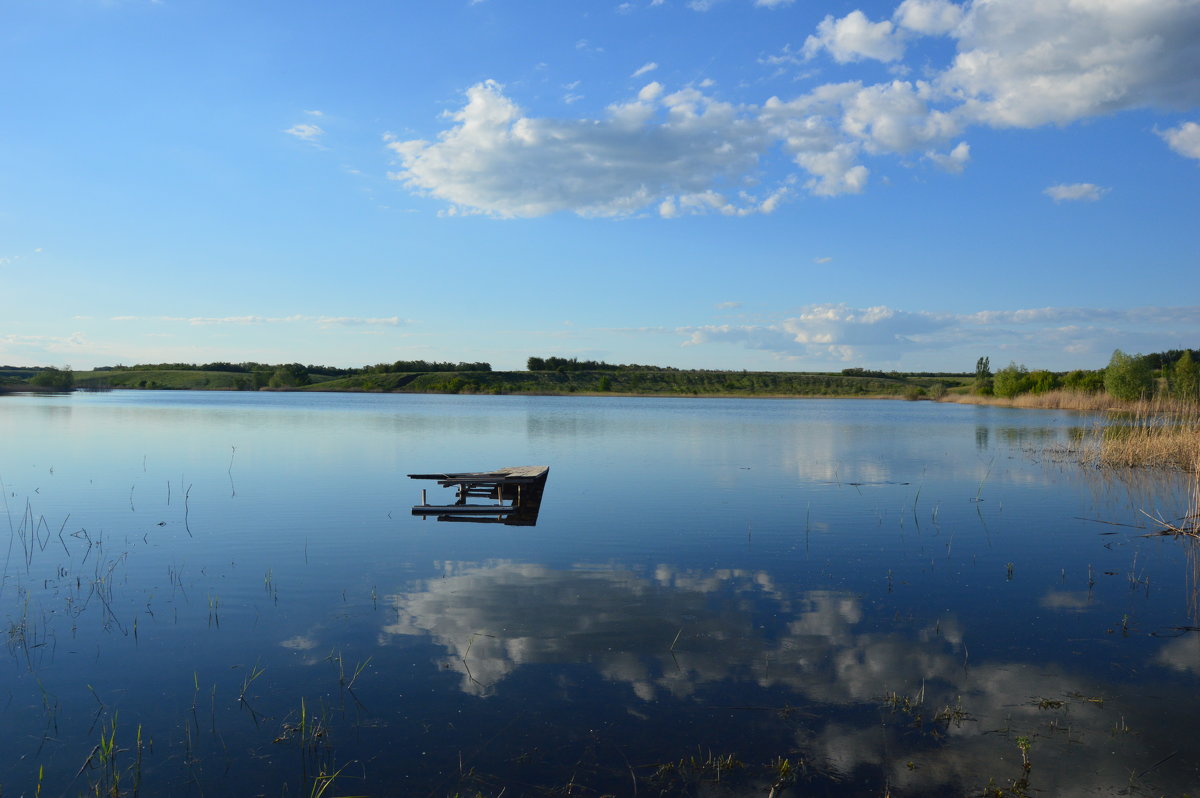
(1042, 381)
(1084, 381)
(55, 379)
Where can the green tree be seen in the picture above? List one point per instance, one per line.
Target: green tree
(1011, 380)
(1127, 377)
(1185, 378)
(293, 375)
(54, 379)
(983, 376)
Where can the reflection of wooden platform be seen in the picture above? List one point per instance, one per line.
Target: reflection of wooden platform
(520, 486)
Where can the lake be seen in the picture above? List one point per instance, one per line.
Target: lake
(227, 594)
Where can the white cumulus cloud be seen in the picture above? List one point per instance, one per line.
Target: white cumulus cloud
(1184, 139)
(839, 333)
(828, 331)
(658, 148)
(955, 160)
(853, 38)
(896, 117)
(1024, 63)
(1014, 63)
(931, 17)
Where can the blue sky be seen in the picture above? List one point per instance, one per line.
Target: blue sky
(712, 184)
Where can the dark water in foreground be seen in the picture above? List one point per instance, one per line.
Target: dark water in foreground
(891, 596)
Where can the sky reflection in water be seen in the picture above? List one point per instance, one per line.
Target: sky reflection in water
(892, 593)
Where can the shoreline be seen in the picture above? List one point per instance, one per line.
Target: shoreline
(1152, 434)
(1052, 400)
(614, 394)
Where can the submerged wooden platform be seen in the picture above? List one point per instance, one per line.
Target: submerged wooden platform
(520, 486)
(518, 473)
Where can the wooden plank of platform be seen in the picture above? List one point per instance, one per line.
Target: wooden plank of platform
(463, 509)
(509, 474)
(524, 472)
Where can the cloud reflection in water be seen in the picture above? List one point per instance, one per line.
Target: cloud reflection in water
(830, 655)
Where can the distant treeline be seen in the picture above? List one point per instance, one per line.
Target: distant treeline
(19, 372)
(1172, 373)
(860, 372)
(248, 367)
(401, 366)
(325, 371)
(574, 364)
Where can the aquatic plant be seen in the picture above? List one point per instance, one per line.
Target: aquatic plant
(255, 672)
(339, 662)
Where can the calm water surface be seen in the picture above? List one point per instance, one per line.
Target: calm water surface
(891, 596)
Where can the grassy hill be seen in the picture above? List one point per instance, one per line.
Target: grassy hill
(180, 380)
(627, 381)
(653, 382)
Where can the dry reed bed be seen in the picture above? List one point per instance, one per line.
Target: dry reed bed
(1151, 433)
(1053, 400)
(1165, 445)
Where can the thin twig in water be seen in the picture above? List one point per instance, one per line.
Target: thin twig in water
(229, 471)
(979, 492)
(185, 510)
